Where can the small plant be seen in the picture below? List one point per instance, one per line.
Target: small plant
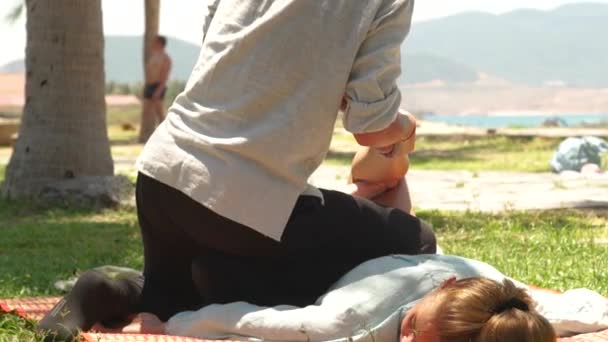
(14, 328)
(509, 206)
(559, 185)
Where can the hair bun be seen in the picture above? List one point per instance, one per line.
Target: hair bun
(513, 303)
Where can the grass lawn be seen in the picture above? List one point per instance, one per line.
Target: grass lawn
(557, 249)
(39, 246)
(118, 115)
(121, 136)
(560, 249)
(489, 153)
(120, 118)
(485, 154)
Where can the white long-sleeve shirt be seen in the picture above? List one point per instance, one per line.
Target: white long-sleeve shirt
(258, 113)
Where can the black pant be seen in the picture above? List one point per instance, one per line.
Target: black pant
(320, 244)
(150, 89)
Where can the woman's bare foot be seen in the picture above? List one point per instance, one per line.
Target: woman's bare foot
(143, 323)
(396, 197)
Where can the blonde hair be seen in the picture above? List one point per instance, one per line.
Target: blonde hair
(483, 310)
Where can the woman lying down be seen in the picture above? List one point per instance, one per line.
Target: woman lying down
(428, 298)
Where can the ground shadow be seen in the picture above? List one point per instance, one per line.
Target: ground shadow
(55, 244)
(590, 204)
(124, 142)
(453, 155)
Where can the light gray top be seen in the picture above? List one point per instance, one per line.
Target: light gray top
(369, 302)
(257, 115)
(371, 298)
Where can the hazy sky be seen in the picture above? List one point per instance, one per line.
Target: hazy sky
(125, 17)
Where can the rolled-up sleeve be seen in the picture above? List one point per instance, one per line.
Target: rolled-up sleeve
(372, 95)
(209, 14)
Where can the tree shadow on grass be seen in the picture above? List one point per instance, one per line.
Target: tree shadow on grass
(473, 222)
(462, 150)
(600, 207)
(13, 212)
(455, 155)
(54, 244)
(340, 157)
(9, 115)
(423, 156)
(124, 142)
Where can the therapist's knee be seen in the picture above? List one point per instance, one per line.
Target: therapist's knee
(428, 240)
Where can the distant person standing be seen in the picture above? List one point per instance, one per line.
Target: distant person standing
(158, 68)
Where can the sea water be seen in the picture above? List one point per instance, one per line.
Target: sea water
(523, 121)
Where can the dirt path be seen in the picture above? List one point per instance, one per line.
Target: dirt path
(490, 191)
(463, 190)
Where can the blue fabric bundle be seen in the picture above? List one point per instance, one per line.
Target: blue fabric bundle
(573, 153)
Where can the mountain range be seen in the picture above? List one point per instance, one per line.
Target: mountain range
(530, 47)
(123, 59)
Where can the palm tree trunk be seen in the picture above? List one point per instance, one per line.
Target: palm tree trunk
(152, 10)
(63, 132)
(152, 13)
(148, 119)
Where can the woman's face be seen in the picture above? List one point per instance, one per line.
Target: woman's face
(419, 323)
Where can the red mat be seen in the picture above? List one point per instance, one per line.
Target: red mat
(35, 308)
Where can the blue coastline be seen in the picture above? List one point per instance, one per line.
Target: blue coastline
(504, 121)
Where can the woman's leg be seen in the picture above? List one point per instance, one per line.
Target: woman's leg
(168, 287)
(176, 230)
(168, 253)
(328, 239)
(397, 197)
(321, 243)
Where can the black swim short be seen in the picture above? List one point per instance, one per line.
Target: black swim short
(150, 89)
